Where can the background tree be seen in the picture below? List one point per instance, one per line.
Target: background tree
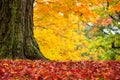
(16, 30)
(61, 27)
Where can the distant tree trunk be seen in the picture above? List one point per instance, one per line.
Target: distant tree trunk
(16, 30)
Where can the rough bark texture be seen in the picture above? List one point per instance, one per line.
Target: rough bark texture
(16, 30)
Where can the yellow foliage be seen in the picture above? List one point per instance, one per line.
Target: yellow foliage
(56, 47)
(58, 30)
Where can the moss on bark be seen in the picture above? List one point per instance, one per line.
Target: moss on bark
(16, 30)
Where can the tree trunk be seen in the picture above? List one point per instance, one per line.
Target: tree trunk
(16, 30)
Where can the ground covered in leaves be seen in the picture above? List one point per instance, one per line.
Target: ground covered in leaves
(54, 70)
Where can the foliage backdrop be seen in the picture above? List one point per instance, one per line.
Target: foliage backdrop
(60, 28)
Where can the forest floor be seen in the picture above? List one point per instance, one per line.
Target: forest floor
(59, 70)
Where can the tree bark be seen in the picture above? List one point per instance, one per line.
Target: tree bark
(16, 30)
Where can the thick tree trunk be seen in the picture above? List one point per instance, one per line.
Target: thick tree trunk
(16, 30)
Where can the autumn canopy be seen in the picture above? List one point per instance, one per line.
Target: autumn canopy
(73, 29)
